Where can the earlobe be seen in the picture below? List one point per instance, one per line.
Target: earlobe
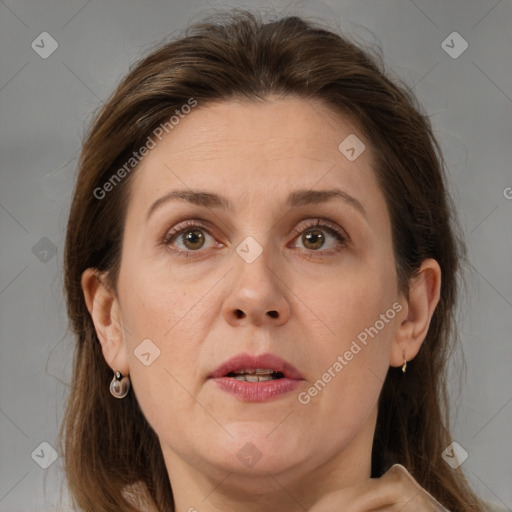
(103, 307)
(423, 297)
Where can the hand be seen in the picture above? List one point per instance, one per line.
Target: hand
(394, 491)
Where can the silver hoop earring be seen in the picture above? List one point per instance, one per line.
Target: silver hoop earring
(120, 385)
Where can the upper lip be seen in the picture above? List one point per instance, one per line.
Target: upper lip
(250, 362)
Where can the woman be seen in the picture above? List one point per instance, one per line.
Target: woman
(261, 265)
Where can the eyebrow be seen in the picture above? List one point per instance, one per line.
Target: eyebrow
(295, 199)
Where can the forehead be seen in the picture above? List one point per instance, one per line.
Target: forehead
(256, 149)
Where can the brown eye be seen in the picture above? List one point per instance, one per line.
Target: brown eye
(320, 237)
(193, 239)
(313, 239)
(189, 238)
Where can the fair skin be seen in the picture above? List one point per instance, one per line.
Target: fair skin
(203, 309)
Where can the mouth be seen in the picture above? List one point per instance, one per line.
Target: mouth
(256, 378)
(246, 367)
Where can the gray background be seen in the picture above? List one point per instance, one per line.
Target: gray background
(45, 105)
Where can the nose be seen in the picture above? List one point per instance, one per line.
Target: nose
(257, 295)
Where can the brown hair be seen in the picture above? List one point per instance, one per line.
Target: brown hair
(107, 442)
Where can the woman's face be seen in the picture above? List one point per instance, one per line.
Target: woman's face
(287, 252)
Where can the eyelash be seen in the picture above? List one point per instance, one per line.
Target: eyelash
(328, 226)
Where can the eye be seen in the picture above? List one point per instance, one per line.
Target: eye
(193, 236)
(190, 236)
(321, 234)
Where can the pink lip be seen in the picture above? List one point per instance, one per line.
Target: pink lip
(257, 391)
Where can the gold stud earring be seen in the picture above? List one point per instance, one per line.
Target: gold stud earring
(404, 366)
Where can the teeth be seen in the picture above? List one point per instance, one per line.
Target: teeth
(257, 371)
(255, 374)
(254, 378)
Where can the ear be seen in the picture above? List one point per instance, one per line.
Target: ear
(105, 312)
(423, 297)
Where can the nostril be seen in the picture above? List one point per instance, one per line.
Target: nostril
(239, 313)
(273, 314)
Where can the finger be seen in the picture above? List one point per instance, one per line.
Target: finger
(396, 491)
(421, 498)
(375, 494)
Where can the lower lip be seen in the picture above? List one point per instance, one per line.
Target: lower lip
(257, 391)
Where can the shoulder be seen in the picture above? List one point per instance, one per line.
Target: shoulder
(137, 494)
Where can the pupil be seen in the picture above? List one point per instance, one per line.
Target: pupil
(315, 238)
(195, 238)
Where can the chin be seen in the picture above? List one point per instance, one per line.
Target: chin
(253, 453)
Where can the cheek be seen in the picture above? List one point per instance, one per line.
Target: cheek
(162, 306)
(164, 328)
(349, 304)
(352, 356)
